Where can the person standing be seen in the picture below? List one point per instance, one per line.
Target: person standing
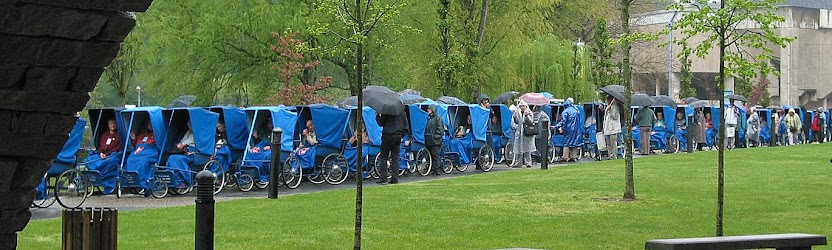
(793, 124)
(612, 127)
(645, 117)
(393, 128)
(731, 117)
(571, 128)
(700, 130)
(753, 132)
(817, 126)
(433, 138)
(523, 141)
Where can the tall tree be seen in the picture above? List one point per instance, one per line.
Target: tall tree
(603, 71)
(686, 88)
(358, 18)
(626, 78)
(721, 26)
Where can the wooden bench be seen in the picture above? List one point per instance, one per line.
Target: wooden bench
(777, 241)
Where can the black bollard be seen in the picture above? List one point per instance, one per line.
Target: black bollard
(689, 135)
(544, 155)
(204, 238)
(276, 165)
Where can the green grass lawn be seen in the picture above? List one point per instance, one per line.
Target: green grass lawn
(768, 190)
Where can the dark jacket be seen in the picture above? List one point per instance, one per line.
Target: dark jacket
(392, 124)
(435, 129)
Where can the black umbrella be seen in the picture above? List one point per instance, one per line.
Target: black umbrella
(699, 104)
(410, 92)
(383, 100)
(506, 97)
(411, 99)
(663, 100)
(348, 102)
(616, 91)
(775, 108)
(641, 100)
(690, 100)
(736, 97)
(450, 100)
(182, 101)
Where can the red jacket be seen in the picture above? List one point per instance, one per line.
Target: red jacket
(816, 123)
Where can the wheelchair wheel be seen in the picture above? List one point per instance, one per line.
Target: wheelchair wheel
(673, 144)
(447, 165)
(118, 189)
(71, 189)
(183, 191)
(50, 197)
(553, 154)
(219, 182)
(411, 164)
(461, 167)
(508, 155)
(336, 169)
(159, 188)
(422, 162)
(293, 176)
(261, 184)
(230, 180)
(485, 159)
(244, 182)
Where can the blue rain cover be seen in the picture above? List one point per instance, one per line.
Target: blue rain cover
(67, 154)
(418, 122)
(373, 129)
(156, 119)
(479, 121)
(505, 118)
(99, 124)
(330, 124)
(204, 126)
(235, 125)
(285, 120)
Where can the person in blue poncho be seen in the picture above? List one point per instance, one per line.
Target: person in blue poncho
(223, 152)
(143, 157)
(181, 162)
(571, 129)
(106, 158)
(260, 154)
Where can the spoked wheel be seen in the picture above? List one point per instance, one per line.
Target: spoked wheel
(261, 184)
(375, 166)
(447, 165)
(336, 169)
(411, 164)
(508, 154)
(368, 168)
(292, 175)
(71, 189)
(378, 165)
(219, 182)
(183, 191)
(159, 188)
(553, 154)
(48, 200)
(672, 144)
(485, 159)
(461, 167)
(230, 180)
(244, 182)
(422, 162)
(118, 189)
(317, 176)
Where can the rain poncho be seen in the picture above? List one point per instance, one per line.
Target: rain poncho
(570, 123)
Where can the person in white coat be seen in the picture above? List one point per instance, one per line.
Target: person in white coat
(612, 127)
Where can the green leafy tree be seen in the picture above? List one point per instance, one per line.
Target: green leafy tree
(686, 88)
(120, 73)
(603, 70)
(719, 26)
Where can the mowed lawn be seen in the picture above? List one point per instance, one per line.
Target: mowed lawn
(768, 190)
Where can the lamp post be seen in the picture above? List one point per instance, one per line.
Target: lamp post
(139, 90)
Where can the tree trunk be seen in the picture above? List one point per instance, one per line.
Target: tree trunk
(721, 169)
(483, 19)
(626, 75)
(359, 75)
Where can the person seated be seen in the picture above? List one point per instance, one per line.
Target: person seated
(106, 158)
(259, 153)
(306, 150)
(365, 139)
(463, 129)
(351, 150)
(146, 154)
(310, 138)
(222, 152)
(181, 160)
(497, 137)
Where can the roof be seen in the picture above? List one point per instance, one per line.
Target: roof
(812, 4)
(656, 17)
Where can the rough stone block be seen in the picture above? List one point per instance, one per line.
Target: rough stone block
(7, 168)
(11, 76)
(41, 20)
(55, 101)
(14, 220)
(59, 124)
(118, 26)
(49, 78)
(29, 174)
(8, 241)
(40, 147)
(18, 199)
(85, 80)
(111, 5)
(55, 52)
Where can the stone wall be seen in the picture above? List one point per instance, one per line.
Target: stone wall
(52, 53)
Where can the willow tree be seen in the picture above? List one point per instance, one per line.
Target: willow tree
(734, 27)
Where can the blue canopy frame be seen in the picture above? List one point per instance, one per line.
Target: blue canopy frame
(330, 126)
(368, 115)
(99, 118)
(504, 114)
(418, 119)
(235, 125)
(281, 118)
(479, 119)
(765, 130)
(136, 118)
(66, 159)
(203, 124)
